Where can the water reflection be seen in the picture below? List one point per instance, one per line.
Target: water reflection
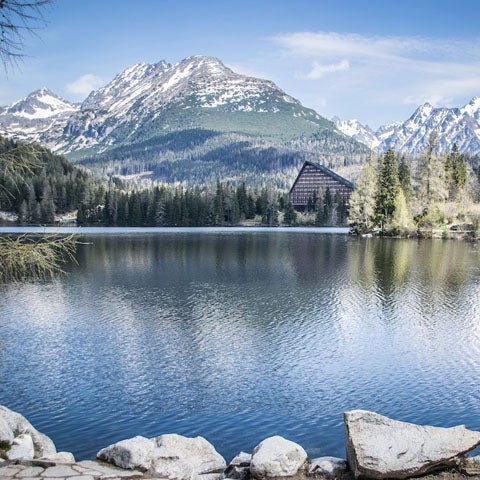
(238, 337)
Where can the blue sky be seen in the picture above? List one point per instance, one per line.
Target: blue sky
(372, 60)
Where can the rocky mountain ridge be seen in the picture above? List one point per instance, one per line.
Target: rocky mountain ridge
(460, 125)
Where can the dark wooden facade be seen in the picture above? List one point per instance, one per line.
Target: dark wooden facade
(313, 177)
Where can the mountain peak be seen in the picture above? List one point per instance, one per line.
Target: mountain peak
(42, 92)
(472, 107)
(42, 103)
(353, 128)
(426, 107)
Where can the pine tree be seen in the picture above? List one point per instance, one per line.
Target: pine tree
(459, 174)
(388, 187)
(218, 206)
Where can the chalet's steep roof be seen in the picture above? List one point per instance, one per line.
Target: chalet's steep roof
(325, 170)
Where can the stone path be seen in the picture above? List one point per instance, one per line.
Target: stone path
(44, 470)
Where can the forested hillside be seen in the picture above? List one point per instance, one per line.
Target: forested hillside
(45, 185)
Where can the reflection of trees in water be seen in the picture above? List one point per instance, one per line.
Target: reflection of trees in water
(183, 256)
(383, 264)
(393, 271)
(429, 268)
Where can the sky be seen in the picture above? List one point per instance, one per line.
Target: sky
(373, 60)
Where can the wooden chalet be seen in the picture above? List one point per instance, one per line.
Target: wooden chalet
(313, 177)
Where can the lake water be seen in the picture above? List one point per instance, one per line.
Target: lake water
(237, 335)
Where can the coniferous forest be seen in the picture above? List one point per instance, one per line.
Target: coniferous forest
(51, 186)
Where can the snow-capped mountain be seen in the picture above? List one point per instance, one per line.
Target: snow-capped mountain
(41, 115)
(159, 118)
(452, 125)
(144, 94)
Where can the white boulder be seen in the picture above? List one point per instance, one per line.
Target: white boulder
(22, 448)
(133, 453)
(181, 458)
(277, 457)
(378, 447)
(19, 425)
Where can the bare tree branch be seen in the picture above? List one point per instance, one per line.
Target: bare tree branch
(17, 18)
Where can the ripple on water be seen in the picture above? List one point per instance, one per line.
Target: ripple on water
(237, 339)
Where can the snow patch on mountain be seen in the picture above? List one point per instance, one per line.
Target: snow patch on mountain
(353, 128)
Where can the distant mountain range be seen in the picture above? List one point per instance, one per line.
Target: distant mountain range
(191, 122)
(452, 125)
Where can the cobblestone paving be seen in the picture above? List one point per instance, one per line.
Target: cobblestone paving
(86, 470)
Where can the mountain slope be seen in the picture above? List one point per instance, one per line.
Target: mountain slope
(196, 121)
(452, 125)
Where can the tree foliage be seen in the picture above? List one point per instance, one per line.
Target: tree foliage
(456, 172)
(34, 257)
(23, 176)
(361, 216)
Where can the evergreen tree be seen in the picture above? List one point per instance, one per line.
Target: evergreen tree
(242, 200)
(455, 171)
(388, 187)
(218, 206)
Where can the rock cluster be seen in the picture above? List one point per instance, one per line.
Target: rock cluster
(377, 447)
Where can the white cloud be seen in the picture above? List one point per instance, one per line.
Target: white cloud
(84, 84)
(352, 45)
(384, 72)
(318, 70)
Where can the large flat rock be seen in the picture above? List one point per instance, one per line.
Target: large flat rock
(379, 447)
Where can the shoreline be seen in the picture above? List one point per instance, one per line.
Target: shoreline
(435, 234)
(376, 446)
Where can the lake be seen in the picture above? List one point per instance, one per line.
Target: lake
(240, 334)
